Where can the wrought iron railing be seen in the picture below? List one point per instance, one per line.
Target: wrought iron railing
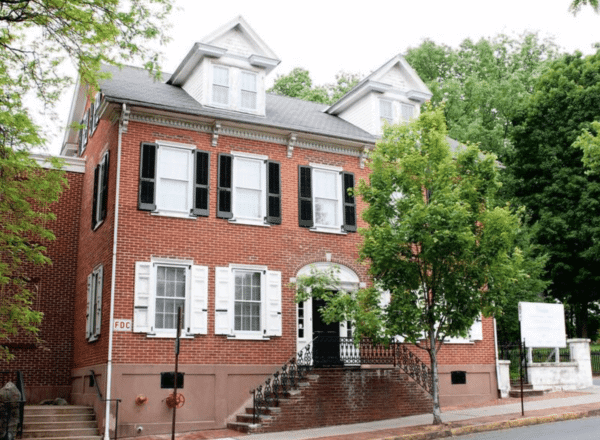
(12, 409)
(412, 365)
(117, 401)
(275, 387)
(516, 353)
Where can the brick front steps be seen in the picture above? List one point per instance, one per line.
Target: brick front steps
(337, 396)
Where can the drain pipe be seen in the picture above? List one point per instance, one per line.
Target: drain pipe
(123, 121)
(496, 350)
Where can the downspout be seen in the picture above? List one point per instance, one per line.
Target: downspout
(123, 121)
(496, 353)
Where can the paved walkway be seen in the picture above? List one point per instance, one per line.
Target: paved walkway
(501, 414)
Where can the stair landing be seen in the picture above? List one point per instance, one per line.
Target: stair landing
(69, 422)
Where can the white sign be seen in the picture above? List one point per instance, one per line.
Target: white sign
(542, 324)
(122, 325)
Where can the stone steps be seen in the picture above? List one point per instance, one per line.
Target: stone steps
(59, 422)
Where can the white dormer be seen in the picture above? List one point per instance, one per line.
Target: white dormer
(227, 69)
(393, 93)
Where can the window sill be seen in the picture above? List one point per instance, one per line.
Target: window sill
(248, 337)
(328, 231)
(168, 336)
(173, 214)
(241, 221)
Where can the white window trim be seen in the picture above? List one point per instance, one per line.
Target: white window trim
(162, 144)
(340, 200)
(226, 298)
(263, 197)
(194, 304)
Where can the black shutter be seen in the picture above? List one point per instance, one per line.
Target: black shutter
(104, 189)
(349, 203)
(305, 211)
(224, 186)
(95, 197)
(201, 181)
(147, 189)
(273, 193)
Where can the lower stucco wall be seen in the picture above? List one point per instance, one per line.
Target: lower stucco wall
(212, 393)
(481, 384)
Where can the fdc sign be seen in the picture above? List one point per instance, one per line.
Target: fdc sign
(122, 325)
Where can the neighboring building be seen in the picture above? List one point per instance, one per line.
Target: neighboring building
(203, 191)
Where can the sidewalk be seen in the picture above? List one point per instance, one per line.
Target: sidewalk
(457, 421)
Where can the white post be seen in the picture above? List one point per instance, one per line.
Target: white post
(580, 353)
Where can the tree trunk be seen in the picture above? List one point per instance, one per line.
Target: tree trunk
(437, 413)
(582, 320)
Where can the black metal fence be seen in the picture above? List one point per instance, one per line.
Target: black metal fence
(11, 413)
(595, 355)
(516, 353)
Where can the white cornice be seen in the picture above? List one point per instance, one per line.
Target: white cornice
(72, 164)
(246, 133)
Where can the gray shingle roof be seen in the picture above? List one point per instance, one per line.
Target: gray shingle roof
(135, 86)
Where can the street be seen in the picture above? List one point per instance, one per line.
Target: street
(581, 429)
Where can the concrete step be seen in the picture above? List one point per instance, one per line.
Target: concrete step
(55, 409)
(526, 393)
(43, 424)
(63, 433)
(247, 428)
(95, 437)
(66, 417)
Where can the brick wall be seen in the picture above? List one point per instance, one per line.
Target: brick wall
(47, 366)
(342, 396)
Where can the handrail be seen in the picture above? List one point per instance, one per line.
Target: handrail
(117, 401)
(282, 381)
(412, 365)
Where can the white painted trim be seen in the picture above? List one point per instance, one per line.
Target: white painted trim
(172, 144)
(249, 155)
(71, 164)
(326, 167)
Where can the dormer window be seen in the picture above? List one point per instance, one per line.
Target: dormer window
(248, 91)
(386, 111)
(220, 86)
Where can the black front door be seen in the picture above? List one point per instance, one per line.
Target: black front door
(326, 350)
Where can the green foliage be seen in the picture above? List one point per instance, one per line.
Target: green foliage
(550, 179)
(577, 4)
(298, 84)
(26, 191)
(437, 241)
(482, 84)
(590, 145)
(36, 38)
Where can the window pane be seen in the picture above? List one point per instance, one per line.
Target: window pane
(173, 195)
(221, 76)
(325, 184)
(326, 212)
(248, 100)
(248, 203)
(407, 111)
(385, 110)
(220, 95)
(248, 173)
(248, 82)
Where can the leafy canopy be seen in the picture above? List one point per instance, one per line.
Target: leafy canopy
(298, 84)
(482, 84)
(551, 180)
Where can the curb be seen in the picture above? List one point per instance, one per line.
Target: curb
(496, 426)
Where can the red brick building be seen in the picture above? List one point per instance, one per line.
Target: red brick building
(202, 191)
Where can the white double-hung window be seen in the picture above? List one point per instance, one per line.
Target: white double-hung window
(162, 286)
(248, 91)
(249, 189)
(247, 302)
(325, 202)
(220, 86)
(386, 111)
(173, 183)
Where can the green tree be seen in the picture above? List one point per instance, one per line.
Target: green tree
(36, 39)
(436, 241)
(482, 84)
(298, 84)
(550, 179)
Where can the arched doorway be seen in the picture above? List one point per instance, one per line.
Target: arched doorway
(310, 324)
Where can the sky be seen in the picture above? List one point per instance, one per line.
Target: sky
(329, 36)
